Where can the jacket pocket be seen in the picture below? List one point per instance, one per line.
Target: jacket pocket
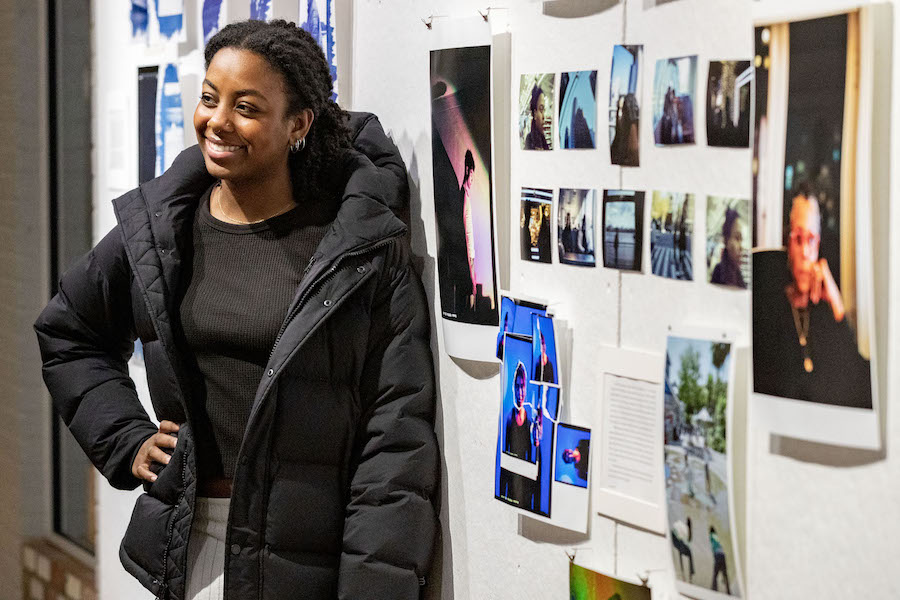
(143, 547)
(170, 478)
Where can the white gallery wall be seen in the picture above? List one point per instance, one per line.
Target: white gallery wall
(814, 521)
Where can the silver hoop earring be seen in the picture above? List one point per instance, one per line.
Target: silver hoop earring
(298, 145)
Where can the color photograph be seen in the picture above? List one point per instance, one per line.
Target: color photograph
(516, 317)
(461, 155)
(575, 227)
(573, 450)
(523, 435)
(534, 224)
(674, 90)
(543, 352)
(727, 241)
(536, 111)
(623, 229)
(577, 109)
(696, 395)
(728, 98)
(671, 235)
(585, 584)
(624, 106)
(813, 333)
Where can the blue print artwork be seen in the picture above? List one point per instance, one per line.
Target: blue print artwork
(212, 10)
(169, 120)
(322, 30)
(139, 18)
(170, 14)
(261, 10)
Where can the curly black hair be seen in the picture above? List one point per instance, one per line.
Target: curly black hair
(316, 170)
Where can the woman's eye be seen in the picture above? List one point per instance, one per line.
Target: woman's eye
(245, 108)
(206, 99)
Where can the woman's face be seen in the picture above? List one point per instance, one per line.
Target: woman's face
(241, 121)
(539, 111)
(734, 242)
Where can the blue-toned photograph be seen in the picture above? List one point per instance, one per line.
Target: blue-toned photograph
(515, 317)
(623, 229)
(507, 317)
(578, 109)
(575, 227)
(674, 88)
(573, 445)
(317, 17)
(624, 116)
(526, 430)
(543, 343)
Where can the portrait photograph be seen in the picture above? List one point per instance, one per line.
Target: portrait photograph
(813, 333)
(461, 156)
(623, 229)
(697, 391)
(575, 227)
(573, 449)
(543, 351)
(577, 110)
(624, 106)
(536, 111)
(728, 103)
(674, 90)
(671, 235)
(728, 241)
(534, 224)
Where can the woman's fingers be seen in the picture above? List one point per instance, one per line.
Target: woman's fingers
(158, 455)
(164, 440)
(144, 473)
(168, 427)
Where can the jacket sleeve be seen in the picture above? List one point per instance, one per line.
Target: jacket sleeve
(86, 336)
(391, 525)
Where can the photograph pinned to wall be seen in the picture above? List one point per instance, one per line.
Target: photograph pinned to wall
(624, 106)
(698, 388)
(536, 111)
(728, 103)
(212, 18)
(170, 17)
(261, 10)
(169, 119)
(674, 91)
(534, 224)
(575, 227)
(671, 235)
(573, 453)
(578, 109)
(147, 87)
(623, 229)
(544, 356)
(585, 584)
(463, 197)
(524, 443)
(317, 17)
(813, 281)
(727, 241)
(515, 317)
(140, 18)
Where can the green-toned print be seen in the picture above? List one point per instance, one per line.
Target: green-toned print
(585, 584)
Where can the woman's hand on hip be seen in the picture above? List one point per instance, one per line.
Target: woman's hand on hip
(152, 451)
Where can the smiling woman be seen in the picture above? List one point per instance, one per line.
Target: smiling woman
(286, 342)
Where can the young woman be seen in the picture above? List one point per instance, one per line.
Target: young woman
(286, 340)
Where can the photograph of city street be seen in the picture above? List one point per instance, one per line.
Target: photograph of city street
(623, 229)
(696, 394)
(671, 235)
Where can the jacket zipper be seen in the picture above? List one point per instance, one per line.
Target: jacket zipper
(324, 278)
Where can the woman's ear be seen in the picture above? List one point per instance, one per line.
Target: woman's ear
(301, 124)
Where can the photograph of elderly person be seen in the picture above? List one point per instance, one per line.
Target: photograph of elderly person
(236, 220)
(575, 227)
(727, 241)
(674, 88)
(623, 229)
(577, 109)
(671, 235)
(697, 381)
(624, 106)
(536, 111)
(728, 103)
(461, 161)
(534, 224)
(804, 345)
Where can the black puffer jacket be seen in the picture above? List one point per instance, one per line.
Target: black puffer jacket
(332, 493)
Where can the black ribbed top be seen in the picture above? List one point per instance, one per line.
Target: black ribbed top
(243, 280)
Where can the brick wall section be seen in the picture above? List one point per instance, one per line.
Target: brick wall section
(48, 573)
